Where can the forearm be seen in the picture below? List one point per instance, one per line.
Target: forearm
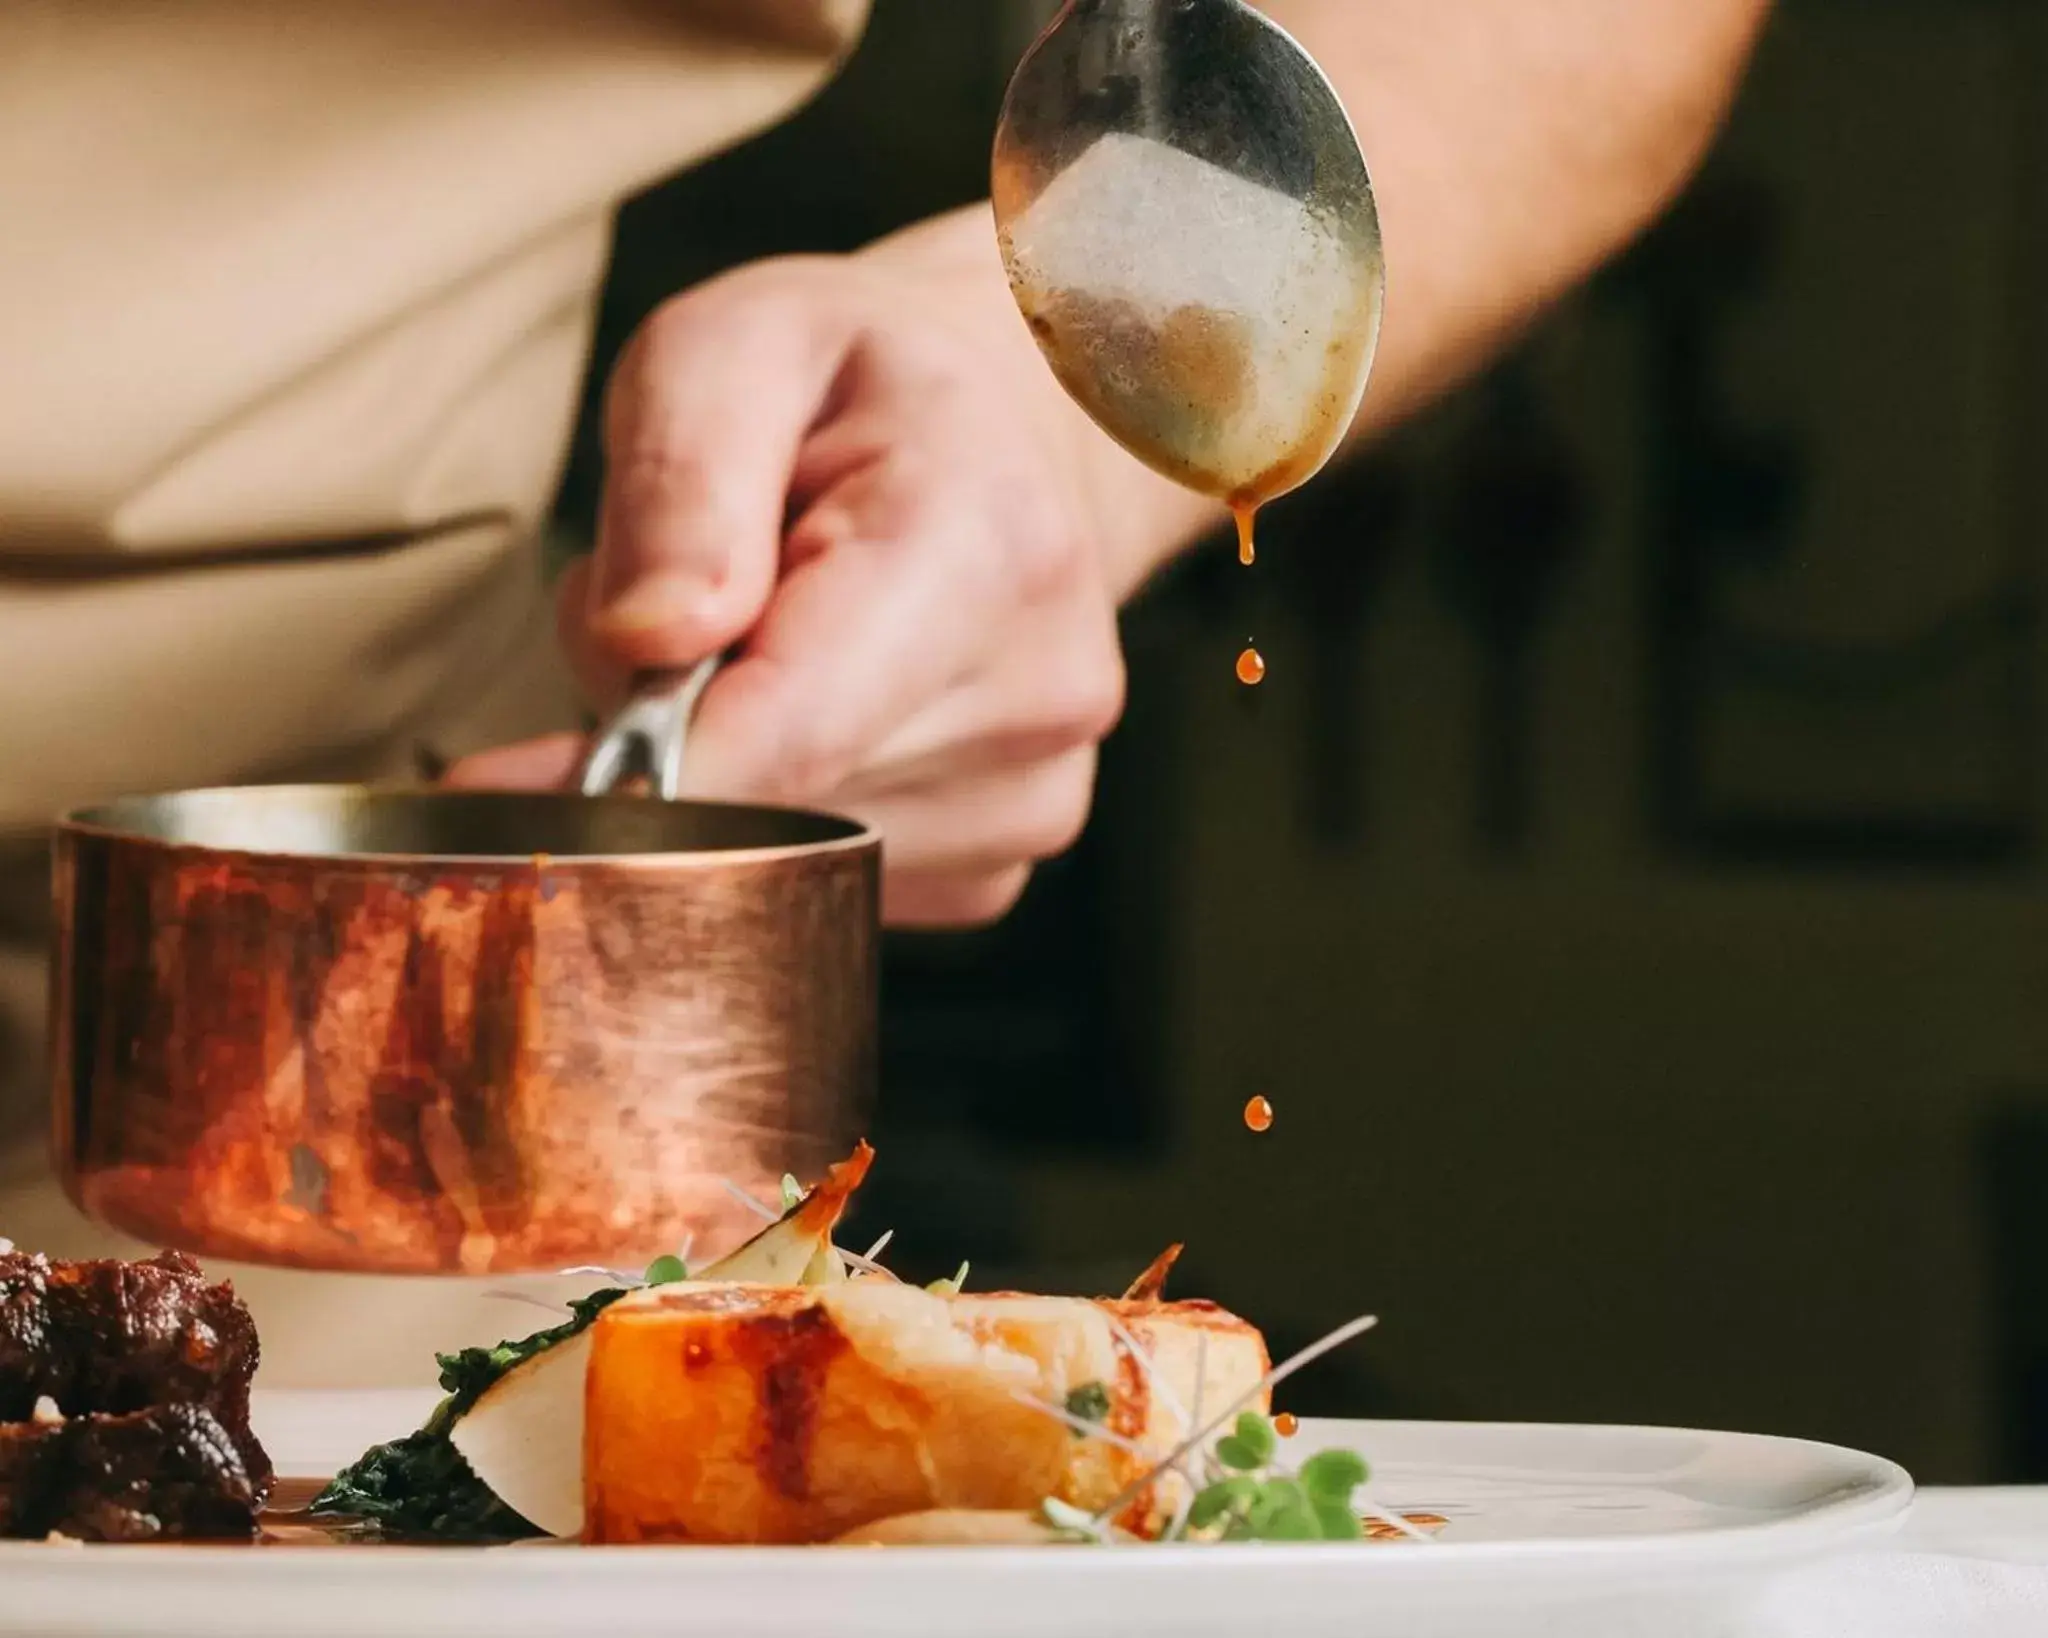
(1514, 145)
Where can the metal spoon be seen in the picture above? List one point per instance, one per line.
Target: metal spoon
(1190, 232)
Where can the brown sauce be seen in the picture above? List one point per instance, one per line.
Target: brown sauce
(284, 1522)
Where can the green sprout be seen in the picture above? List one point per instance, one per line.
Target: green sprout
(1088, 1403)
(1245, 1500)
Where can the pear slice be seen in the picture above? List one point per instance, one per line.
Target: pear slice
(524, 1435)
(783, 1251)
(826, 1267)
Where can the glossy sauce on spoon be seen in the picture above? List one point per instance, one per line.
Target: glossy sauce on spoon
(1190, 234)
(1190, 377)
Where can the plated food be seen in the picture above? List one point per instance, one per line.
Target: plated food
(795, 1393)
(790, 1393)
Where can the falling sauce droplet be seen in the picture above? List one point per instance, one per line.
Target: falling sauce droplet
(1287, 1424)
(1251, 667)
(1258, 1115)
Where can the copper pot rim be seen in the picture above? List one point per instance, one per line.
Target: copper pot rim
(97, 821)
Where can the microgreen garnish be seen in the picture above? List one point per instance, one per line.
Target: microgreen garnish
(1222, 1500)
(1334, 1473)
(1249, 1446)
(1255, 1502)
(667, 1271)
(1080, 1427)
(1275, 1507)
(1282, 1513)
(612, 1276)
(950, 1286)
(1088, 1403)
(1272, 1379)
(867, 1265)
(1337, 1520)
(792, 1192)
(767, 1212)
(1246, 1500)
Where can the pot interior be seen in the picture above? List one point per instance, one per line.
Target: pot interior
(342, 821)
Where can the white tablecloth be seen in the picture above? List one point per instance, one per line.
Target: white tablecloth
(1968, 1564)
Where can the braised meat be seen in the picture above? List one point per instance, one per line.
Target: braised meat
(148, 1369)
(164, 1474)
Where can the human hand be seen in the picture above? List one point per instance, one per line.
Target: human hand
(858, 469)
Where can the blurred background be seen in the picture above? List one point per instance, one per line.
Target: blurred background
(1628, 886)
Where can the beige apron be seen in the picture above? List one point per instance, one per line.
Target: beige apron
(295, 301)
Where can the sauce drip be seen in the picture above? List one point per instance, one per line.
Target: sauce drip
(1238, 389)
(1287, 1424)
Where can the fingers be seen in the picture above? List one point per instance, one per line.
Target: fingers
(1059, 687)
(873, 624)
(533, 765)
(982, 826)
(605, 681)
(920, 631)
(911, 900)
(690, 528)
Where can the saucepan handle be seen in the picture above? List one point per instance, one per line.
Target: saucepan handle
(648, 737)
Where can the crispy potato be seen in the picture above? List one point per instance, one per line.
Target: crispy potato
(729, 1413)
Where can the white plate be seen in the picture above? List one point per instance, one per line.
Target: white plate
(1584, 1531)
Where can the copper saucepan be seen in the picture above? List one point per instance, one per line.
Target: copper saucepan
(427, 1032)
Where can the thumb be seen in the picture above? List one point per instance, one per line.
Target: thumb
(704, 419)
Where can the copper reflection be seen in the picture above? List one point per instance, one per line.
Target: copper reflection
(457, 1065)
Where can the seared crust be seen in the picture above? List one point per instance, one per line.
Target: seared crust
(759, 1414)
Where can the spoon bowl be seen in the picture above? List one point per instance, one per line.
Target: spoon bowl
(1190, 232)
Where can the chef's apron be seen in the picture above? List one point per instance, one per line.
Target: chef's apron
(296, 298)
